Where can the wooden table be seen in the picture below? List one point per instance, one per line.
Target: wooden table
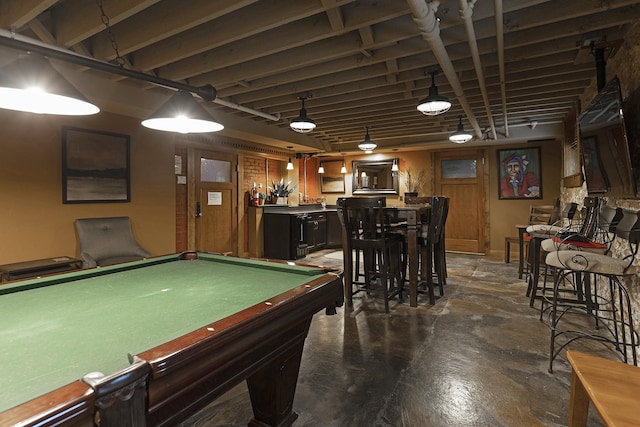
(613, 387)
(412, 214)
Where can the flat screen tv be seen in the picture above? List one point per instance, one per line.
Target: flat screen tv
(604, 146)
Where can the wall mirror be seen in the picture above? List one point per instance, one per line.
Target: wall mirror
(374, 177)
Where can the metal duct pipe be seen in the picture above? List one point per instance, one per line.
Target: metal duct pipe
(466, 13)
(239, 107)
(206, 92)
(424, 15)
(497, 7)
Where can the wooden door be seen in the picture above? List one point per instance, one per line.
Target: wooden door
(213, 202)
(460, 176)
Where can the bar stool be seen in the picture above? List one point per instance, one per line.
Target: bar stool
(610, 308)
(367, 230)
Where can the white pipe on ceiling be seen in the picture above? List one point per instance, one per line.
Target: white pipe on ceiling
(466, 13)
(497, 10)
(424, 15)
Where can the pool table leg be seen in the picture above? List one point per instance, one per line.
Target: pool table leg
(273, 387)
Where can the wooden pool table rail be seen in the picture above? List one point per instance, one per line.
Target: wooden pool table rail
(262, 344)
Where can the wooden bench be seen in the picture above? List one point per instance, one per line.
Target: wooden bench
(613, 387)
(39, 267)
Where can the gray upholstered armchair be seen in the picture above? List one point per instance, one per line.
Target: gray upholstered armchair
(107, 241)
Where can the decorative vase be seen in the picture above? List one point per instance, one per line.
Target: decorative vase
(281, 201)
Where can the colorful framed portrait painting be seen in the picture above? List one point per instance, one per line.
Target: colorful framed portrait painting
(520, 173)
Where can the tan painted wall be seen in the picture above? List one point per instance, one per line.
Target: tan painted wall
(34, 223)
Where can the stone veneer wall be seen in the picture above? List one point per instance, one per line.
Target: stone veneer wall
(626, 65)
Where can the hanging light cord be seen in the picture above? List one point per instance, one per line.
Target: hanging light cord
(112, 37)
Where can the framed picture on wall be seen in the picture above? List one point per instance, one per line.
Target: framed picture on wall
(332, 180)
(95, 166)
(520, 175)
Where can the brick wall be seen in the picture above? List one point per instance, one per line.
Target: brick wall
(181, 204)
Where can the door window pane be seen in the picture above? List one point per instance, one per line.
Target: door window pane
(215, 170)
(463, 168)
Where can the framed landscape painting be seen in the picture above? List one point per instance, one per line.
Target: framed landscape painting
(520, 173)
(332, 180)
(95, 166)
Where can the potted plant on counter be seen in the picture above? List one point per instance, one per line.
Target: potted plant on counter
(281, 191)
(413, 182)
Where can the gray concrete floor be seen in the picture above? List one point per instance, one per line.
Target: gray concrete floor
(478, 357)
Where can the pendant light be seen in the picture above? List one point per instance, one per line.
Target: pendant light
(343, 169)
(32, 85)
(434, 104)
(394, 166)
(302, 123)
(289, 163)
(321, 169)
(460, 136)
(183, 114)
(367, 145)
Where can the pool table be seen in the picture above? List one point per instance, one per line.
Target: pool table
(161, 338)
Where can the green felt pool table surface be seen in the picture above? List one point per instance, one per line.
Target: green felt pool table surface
(55, 330)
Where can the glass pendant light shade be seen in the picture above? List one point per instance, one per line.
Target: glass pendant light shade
(32, 85)
(460, 136)
(321, 169)
(343, 169)
(434, 104)
(302, 123)
(367, 145)
(289, 163)
(394, 167)
(183, 114)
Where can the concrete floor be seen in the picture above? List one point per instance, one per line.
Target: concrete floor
(478, 357)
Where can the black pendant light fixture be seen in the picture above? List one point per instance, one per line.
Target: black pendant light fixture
(434, 104)
(183, 114)
(32, 85)
(302, 123)
(460, 136)
(367, 145)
